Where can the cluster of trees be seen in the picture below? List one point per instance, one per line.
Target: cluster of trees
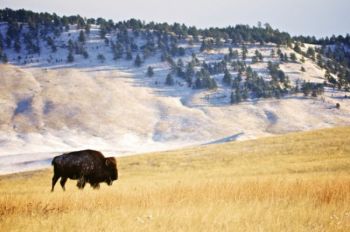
(256, 86)
(337, 62)
(195, 79)
(45, 22)
(204, 81)
(324, 41)
(313, 89)
(333, 55)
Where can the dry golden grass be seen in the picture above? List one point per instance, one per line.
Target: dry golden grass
(295, 182)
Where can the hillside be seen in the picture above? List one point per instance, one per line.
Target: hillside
(294, 182)
(71, 83)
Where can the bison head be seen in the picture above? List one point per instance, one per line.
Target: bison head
(112, 169)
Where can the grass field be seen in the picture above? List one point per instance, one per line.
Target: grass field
(294, 182)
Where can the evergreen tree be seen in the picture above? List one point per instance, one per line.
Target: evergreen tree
(293, 57)
(238, 95)
(233, 98)
(17, 46)
(81, 37)
(169, 80)
(138, 61)
(311, 53)
(181, 51)
(227, 78)
(180, 63)
(85, 54)
(198, 83)
(70, 57)
(129, 54)
(297, 48)
(245, 94)
(305, 89)
(101, 58)
(150, 71)
(272, 54)
(204, 46)
(258, 56)
(302, 69)
(4, 58)
(281, 57)
(244, 52)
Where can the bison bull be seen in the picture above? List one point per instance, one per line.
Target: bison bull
(87, 166)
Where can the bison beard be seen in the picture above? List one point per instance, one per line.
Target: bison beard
(87, 166)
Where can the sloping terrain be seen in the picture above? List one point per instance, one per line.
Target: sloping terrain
(49, 111)
(51, 105)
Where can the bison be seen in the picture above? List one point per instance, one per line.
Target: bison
(86, 166)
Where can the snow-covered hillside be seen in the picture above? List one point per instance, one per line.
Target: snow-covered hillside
(49, 105)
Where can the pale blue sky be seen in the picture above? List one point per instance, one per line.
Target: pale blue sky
(307, 17)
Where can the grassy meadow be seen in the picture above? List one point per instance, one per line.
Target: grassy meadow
(294, 182)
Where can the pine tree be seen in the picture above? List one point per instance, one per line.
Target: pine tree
(311, 53)
(244, 52)
(81, 37)
(85, 54)
(297, 48)
(180, 63)
(204, 46)
(169, 80)
(101, 58)
(70, 57)
(129, 54)
(245, 94)
(281, 57)
(293, 57)
(4, 58)
(233, 98)
(258, 56)
(272, 54)
(150, 71)
(138, 61)
(302, 69)
(227, 78)
(17, 46)
(198, 83)
(238, 95)
(212, 83)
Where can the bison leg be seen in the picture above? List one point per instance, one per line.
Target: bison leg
(63, 182)
(81, 183)
(54, 180)
(95, 185)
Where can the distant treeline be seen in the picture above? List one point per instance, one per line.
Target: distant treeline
(237, 34)
(332, 54)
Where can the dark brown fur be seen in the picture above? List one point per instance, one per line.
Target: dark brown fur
(86, 166)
